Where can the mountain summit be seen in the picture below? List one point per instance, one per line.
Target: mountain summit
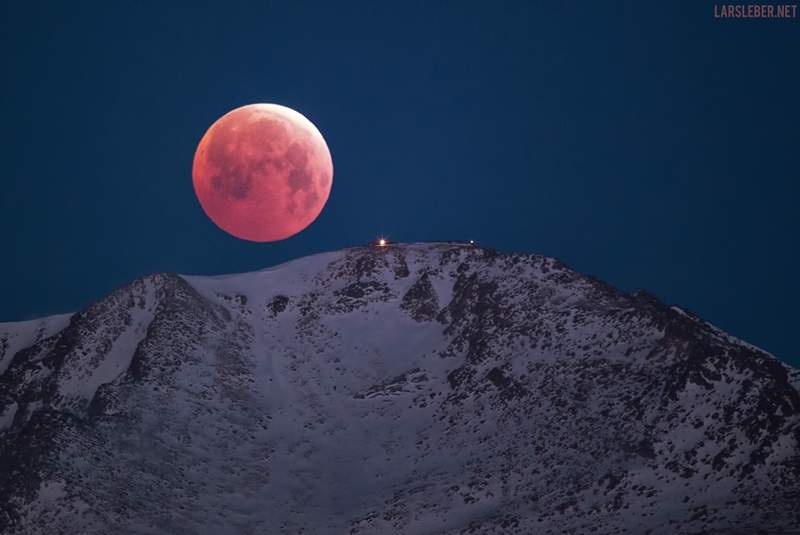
(423, 388)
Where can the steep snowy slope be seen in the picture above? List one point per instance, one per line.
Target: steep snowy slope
(424, 388)
(19, 335)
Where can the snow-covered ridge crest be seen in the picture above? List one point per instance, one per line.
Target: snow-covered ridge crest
(415, 388)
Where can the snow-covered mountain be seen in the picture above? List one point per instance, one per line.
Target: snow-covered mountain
(424, 388)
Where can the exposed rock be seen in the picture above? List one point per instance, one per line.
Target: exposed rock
(420, 300)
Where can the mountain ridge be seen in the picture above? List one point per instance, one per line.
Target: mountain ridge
(464, 375)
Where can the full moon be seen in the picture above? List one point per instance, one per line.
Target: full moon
(262, 172)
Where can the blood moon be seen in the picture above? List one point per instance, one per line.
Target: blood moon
(262, 172)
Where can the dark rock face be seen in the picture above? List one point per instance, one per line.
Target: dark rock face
(420, 300)
(277, 305)
(429, 388)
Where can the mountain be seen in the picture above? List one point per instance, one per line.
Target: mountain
(424, 388)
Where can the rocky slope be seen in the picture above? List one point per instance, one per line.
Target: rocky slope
(424, 388)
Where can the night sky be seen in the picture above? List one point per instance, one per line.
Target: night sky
(646, 143)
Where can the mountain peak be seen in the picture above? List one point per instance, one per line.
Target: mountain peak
(408, 388)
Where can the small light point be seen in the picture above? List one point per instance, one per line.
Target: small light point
(382, 242)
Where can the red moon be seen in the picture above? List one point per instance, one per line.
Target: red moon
(262, 172)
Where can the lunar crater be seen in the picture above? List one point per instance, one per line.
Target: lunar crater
(299, 178)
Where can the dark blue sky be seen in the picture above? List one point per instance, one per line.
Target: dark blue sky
(646, 143)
